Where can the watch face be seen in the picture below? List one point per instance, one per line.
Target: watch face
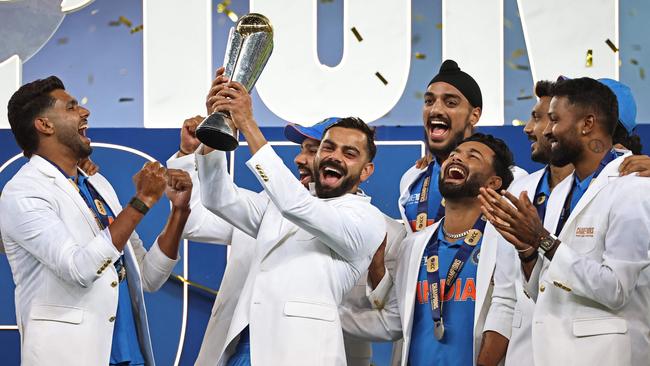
(547, 243)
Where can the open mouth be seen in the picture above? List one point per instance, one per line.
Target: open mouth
(438, 129)
(82, 131)
(456, 172)
(331, 175)
(304, 175)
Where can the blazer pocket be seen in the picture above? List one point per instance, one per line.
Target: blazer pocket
(310, 310)
(599, 326)
(57, 313)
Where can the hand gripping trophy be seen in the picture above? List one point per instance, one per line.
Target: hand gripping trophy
(249, 47)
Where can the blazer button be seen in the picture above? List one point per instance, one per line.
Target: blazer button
(99, 272)
(111, 319)
(114, 284)
(542, 288)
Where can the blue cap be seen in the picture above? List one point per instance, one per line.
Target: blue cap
(297, 133)
(626, 103)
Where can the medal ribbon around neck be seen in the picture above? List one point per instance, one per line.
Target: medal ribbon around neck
(436, 296)
(423, 203)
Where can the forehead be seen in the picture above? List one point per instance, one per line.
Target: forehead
(346, 136)
(310, 142)
(478, 146)
(440, 89)
(542, 104)
(61, 96)
(558, 104)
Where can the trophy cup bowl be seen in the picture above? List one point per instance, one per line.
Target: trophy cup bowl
(249, 47)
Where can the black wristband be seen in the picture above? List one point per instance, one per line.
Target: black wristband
(180, 149)
(140, 206)
(530, 258)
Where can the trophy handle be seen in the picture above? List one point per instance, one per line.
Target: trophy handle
(216, 133)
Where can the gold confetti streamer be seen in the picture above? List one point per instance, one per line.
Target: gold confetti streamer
(515, 66)
(611, 45)
(231, 14)
(191, 283)
(84, 100)
(518, 53)
(642, 73)
(518, 122)
(223, 6)
(326, 1)
(590, 58)
(634, 61)
(62, 40)
(122, 19)
(137, 29)
(380, 77)
(524, 97)
(438, 25)
(125, 99)
(356, 34)
(420, 56)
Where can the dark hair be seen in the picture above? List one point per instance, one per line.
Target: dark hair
(593, 96)
(25, 105)
(544, 88)
(503, 159)
(631, 142)
(358, 124)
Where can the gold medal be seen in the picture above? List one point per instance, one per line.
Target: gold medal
(421, 221)
(432, 263)
(100, 207)
(439, 329)
(540, 199)
(473, 236)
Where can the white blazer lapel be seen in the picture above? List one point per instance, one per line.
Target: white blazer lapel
(556, 202)
(610, 170)
(67, 187)
(485, 268)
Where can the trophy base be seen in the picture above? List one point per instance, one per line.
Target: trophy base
(215, 132)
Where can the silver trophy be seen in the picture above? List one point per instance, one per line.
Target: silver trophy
(249, 47)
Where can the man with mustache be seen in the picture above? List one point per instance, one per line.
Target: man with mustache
(309, 251)
(80, 269)
(204, 226)
(588, 279)
(440, 298)
(509, 300)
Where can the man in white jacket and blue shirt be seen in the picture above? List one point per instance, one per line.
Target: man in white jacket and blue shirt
(589, 277)
(309, 250)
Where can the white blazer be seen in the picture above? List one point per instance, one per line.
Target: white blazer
(592, 298)
(510, 304)
(62, 264)
(308, 253)
(395, 320)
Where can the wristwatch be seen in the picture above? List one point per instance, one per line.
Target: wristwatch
(139, 205)
(547, 243)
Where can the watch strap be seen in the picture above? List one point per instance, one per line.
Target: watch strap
(140, 206)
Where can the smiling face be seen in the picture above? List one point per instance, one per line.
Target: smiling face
(540, 147)
(562, 132)
(468, 168)
(305, 160)
(448, 118)
(70, 122)
(342, 162)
